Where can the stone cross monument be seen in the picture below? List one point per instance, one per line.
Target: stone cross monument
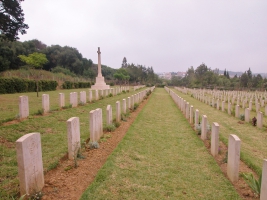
(100, 81)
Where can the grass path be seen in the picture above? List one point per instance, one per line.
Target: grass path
(160, 157)
(253, 139)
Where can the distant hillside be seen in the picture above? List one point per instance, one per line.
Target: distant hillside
(232, 74)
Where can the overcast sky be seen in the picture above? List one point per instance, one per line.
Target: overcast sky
(169, 35)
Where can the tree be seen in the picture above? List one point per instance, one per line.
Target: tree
(11, 19)
(124, 63)
(35, 60)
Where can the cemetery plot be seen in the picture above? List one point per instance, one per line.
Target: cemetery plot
(53, 131)
(253, 139)
(160, 157)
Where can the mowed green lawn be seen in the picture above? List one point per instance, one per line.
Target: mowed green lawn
(160, 157)
(53, 129)
(253, 139)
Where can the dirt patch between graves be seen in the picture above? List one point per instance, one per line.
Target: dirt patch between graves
(241, 186)
(67, 182)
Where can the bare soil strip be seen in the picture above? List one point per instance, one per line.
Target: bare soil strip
(67, 182)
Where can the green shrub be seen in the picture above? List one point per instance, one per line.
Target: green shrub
(242, 117)
(109, 128)
(136, 106)
(252, 182)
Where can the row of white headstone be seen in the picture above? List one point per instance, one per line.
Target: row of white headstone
(234, 143)
(257, 96)
(229, 111)
(137, 87)
(24, 100)
(28, 147)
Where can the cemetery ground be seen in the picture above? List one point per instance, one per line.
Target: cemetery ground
(53, 129)
(253, 139)
(160, 157)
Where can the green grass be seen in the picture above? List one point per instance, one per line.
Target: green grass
(159, 158)
(53, 129)
(253, 139)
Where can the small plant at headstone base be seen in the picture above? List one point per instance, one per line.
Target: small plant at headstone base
(36, 196)
(40, 112)
(254, 121)
(215, 105)
(93, 145)
(105, 137)
(233, 113)
(123, 91)
(17, 116)
(225, 158)
(116, 124)
(68, 168)
(124, 116)
(77, 154)
(109, 128)
(67, 106)
(81, 103)
(253, 183)
(148, 93)
(101, 97)
(242, 117)
(93, 101)
(110, 95)
(198, 129)
(136, 106)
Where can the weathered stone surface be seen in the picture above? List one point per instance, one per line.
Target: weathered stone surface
(196, 118)
(233, 157)
(259, 119)
(45, 103)
(61, 100)
(204, 127)
(215, 139)
(109, 115)
(90, 98)
(237, 111)
(191, 114)
(118, 111)
(73, 127)
(74, 99)
(23, 107)
(247, 114)
(83, 97)
(124, 106)
(30, 164)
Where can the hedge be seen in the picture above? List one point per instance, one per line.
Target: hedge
(73, 85)
(18, 85)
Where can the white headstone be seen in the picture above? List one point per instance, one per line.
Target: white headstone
(30, 164)
(23, 107)
(61, 100)
(73, 127)
(191, 115)
(109, 115)
(196, 118)
(83, 97)
(118, 111)
(233, 157)
(204, 127)
(215, 139)
(259, 119)
(124, 106)
(247, 114)
(45, 103)
(237, 111)
(90, 96)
